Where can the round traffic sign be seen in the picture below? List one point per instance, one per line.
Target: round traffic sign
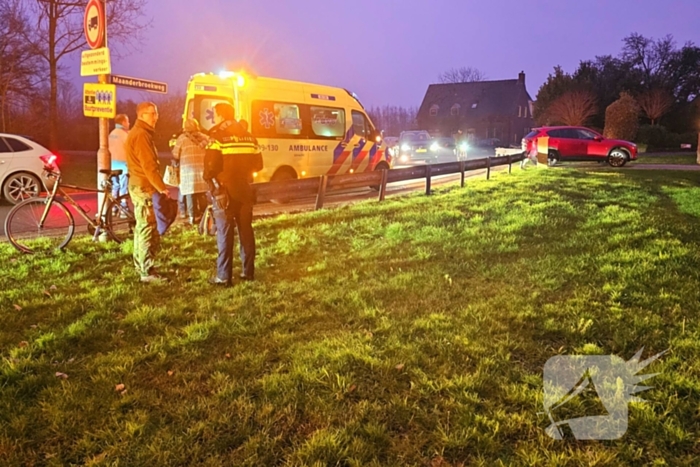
(94, 23)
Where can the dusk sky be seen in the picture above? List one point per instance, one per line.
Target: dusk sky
(389, 51)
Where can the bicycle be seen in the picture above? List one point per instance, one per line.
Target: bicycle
(45, 223)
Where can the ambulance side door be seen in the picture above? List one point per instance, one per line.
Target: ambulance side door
(327, 138)
(281, 133)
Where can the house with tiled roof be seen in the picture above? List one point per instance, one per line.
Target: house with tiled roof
(482, 110)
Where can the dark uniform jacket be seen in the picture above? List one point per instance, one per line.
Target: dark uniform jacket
(231, 159)
(142, 159)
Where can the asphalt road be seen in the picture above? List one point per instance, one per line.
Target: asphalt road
(88, 201)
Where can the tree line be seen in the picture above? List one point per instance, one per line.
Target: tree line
(654, 80)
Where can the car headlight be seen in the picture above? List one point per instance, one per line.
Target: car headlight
(463, 147)
(405, 148)
(404, 158)
(434, 147)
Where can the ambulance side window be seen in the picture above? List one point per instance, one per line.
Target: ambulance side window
(277, 120)
(327, 122)
(360, 124)
(203, 109)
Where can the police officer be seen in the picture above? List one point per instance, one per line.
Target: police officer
(229, 163)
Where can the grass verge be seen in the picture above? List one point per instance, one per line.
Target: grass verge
(668, 159)
(412, 332)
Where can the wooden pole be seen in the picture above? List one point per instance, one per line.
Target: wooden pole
(322, 184)
(382, 186)
(427, 179)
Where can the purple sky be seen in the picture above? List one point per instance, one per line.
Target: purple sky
(389, 51)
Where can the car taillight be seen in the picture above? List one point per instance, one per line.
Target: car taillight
(49, 159)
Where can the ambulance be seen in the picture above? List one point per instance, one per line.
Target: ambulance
(304, 130)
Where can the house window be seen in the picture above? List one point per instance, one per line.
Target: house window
(455, 109)
(434, 110)
(475, 105)
(520, 111)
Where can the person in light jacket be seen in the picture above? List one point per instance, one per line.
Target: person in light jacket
(117, 140)
(189, 151)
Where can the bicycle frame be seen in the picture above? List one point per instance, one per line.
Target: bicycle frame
(58, 188)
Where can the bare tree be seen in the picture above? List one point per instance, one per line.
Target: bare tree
(393, 120)
(652, 57)
(19, 67)
(461, 75)
(655, 103)
(573, 108)
(59, 33)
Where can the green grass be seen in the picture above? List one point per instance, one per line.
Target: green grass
(671, 159)
(411, 332)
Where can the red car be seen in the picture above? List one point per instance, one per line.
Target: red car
(573, 143)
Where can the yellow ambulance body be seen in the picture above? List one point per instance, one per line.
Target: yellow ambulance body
(304, 130)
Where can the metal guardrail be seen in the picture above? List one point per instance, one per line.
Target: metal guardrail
(288, 190)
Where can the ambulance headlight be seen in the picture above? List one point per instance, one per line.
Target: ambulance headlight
(404, 158)
(463, 147)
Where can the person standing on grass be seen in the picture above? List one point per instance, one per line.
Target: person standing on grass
(229, 163)
(117, 140)
(144, 182)
(189, 151)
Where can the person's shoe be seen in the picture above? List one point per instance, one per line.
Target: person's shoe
(183, 215)
(154, 278)
(243, 277)
(219, 282)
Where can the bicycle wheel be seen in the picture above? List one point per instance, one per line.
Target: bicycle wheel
(120, 220)
(26, 233)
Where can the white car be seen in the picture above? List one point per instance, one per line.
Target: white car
(21, 164)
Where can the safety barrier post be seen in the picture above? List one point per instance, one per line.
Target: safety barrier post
(427, 179)
(323, 182)
(382, 185)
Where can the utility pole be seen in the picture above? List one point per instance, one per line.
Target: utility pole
(104, 158)
(99, 99)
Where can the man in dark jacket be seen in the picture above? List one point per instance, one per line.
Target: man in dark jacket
(230, 161)
(144, 182)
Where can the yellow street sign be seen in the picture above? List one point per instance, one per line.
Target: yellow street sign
(95, 62)
(99, 100)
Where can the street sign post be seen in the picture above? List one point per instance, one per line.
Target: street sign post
(95, 26)
(95, 62)
(140, 84)
(99, 100)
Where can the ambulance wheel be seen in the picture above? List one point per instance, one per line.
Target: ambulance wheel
(281, 175)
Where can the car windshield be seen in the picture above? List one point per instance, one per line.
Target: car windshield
(416, 137)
